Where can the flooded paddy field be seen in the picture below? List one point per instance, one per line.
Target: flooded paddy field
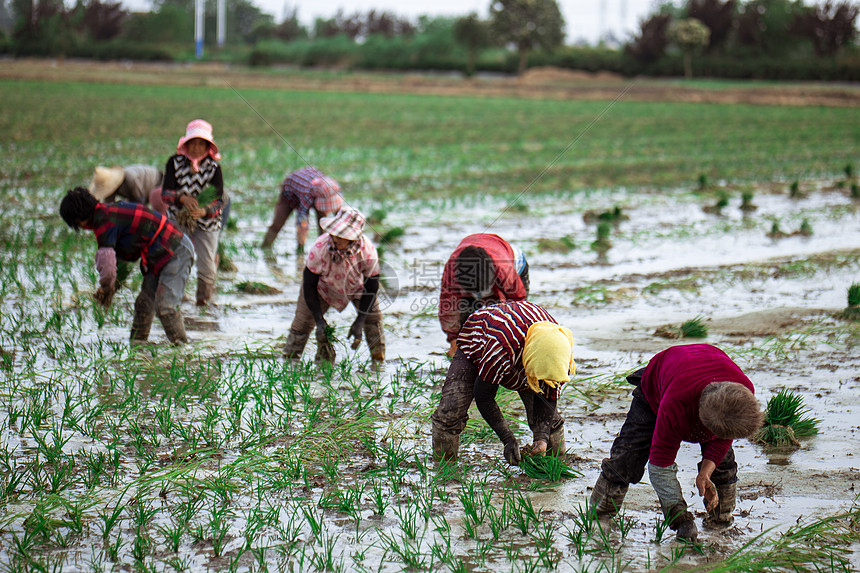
(221, 455)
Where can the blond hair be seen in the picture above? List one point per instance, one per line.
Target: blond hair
(730, 410)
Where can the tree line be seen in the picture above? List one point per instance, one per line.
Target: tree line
(772, 39)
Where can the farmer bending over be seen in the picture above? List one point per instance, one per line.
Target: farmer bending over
(304, 189)
(692, 393)
(520, 346)
(129, 231)
(342, 268)
(133, 183)
(484, 269)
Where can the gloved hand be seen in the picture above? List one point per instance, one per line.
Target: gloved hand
(104, 296)
(512, 453)
(687, 531)
(355, 331)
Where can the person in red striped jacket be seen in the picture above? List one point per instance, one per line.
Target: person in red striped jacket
(517, 345)
(484, 269)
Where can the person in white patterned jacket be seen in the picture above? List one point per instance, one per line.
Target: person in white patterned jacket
(190, 172)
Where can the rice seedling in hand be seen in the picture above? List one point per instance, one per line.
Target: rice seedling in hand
(786, 420)
(547, 468)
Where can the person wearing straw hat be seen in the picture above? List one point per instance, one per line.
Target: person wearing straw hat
(517, 345)
(342, 268)
(192, 170)
(133, 183)
(302, 190)
(688, 393)
(128, 232)
(484, 269)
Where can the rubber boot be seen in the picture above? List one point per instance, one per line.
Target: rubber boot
(681, 520)
(375, 338)
(721, 516)
(555, 446)
(295, 345)
(606, 497)
(141, 324)
(446, 446)
(174, 326)
(204, 292)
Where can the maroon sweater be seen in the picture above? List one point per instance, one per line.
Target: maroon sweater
(672, 384)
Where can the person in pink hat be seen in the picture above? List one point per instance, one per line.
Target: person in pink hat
(342, 268)
(194, 168)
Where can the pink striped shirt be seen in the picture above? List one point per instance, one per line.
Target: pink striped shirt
(493, 338)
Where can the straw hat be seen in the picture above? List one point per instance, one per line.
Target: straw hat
(106, 180)
(202, 129)
(347, 224)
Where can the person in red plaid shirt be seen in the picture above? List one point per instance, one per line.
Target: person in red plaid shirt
(304, 189)
(130, 231)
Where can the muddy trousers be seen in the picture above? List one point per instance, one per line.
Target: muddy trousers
(162, 294)
(303, 325)
(628, 456)
(452, 413)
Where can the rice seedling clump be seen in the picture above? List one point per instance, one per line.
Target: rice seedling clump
(785, 420)
(547, 468)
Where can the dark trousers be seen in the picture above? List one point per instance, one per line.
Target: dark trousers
(458, 392)
(630, 450)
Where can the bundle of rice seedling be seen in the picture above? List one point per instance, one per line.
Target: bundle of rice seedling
(785, 420)
(547, 468)
(204, 199)
(253, 287)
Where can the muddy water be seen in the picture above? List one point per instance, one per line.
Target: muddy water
(764, 300)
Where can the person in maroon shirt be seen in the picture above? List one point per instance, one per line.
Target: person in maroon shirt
(691, 393)
(128, 232)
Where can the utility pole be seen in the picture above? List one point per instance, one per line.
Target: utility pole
(199, 19)
(222, 23)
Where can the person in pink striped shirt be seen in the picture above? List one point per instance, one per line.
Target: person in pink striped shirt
(517, 345)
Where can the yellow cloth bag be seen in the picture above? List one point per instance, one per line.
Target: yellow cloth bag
(548, 355)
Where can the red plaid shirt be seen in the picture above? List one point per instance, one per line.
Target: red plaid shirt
(132, 231)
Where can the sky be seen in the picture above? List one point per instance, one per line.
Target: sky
(588, 20)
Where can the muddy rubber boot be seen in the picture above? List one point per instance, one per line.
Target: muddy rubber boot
(204, 292)
(721, 516)
(555, 446)
(174, 327)
(606, 497)
(446, 446)
(375, 338)
(681, 520)
(295, 345)
(141, 323)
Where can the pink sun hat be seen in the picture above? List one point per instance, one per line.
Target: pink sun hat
(347, 224)
(199, 128)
